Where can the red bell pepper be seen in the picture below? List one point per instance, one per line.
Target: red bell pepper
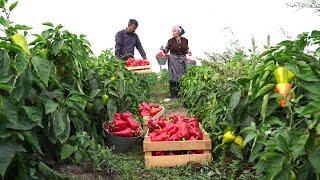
(158, 153)
(183, 130)
(124, 133)
(171, 128)
(173, 118)
(118, 125)
(132, 123)
(196, 152)
(194, 122)
(175, 137)
(163, 136)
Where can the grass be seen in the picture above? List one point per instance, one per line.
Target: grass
(131, 166)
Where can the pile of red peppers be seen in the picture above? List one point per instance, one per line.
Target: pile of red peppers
(123, 125)
(151, 109)
(175, 128)
(131, 62)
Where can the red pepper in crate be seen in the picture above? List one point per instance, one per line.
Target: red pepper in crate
(175, 137)
(171, 128)
(194, 123)
(124, 133)
(183, 130)
(158, 153)
(163, 136)
(196, 152)
(173, 118)
(156, 124)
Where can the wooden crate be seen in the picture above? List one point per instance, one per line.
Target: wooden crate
(177, 160)
(140, 69)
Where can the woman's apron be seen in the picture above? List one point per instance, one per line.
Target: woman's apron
(176, 67)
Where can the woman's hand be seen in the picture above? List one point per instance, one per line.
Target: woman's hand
(162, 48)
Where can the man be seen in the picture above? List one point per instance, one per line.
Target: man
(127, 40)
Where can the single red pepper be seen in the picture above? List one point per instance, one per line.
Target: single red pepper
(132, 123)
(171, 128)
(161, 137)
(175, 137)
(118, 125)
(158, 153)
(194, 123)
(183, 130)
(124, 133)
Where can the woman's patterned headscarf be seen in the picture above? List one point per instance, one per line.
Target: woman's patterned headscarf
(179, 29)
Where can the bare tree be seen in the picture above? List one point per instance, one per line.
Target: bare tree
(310, 4)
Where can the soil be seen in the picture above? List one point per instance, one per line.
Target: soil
(84, 171)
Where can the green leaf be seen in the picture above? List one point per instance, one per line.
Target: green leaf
(24, 124)
(94, 93)
(13, 5)
(271, 164)
(2, 3)
(249, 137)
(32, 139)
(312, 87)
(112, 109)
(48, 24)
(21, 62)
(3, 21)
(298, 142)
(6, 87)
(265, 89)
(235, 149)
(61, 125)
(264, 106)
(56, 46)
(78, 157)
(34, 114)
(311, 108)
(49, 173)
(234, 100)
(314, 159)
(305, 73)
(50, 106)
(10, 111)
(66, 151)
(7, 152)
(42, 68)
(22, 27)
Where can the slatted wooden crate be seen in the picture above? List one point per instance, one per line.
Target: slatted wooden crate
(140, 69)
(177, 160)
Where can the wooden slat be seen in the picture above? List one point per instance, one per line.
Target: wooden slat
(177, 145)
(176, 160)
(143, 71)
(139, 67)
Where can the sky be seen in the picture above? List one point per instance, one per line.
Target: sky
(210, 25)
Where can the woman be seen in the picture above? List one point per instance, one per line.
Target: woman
(178, 48)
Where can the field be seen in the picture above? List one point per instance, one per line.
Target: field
(261, 109)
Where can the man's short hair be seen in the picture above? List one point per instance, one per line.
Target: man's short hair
(133, 22)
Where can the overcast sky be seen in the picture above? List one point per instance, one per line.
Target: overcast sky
(203, 20)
